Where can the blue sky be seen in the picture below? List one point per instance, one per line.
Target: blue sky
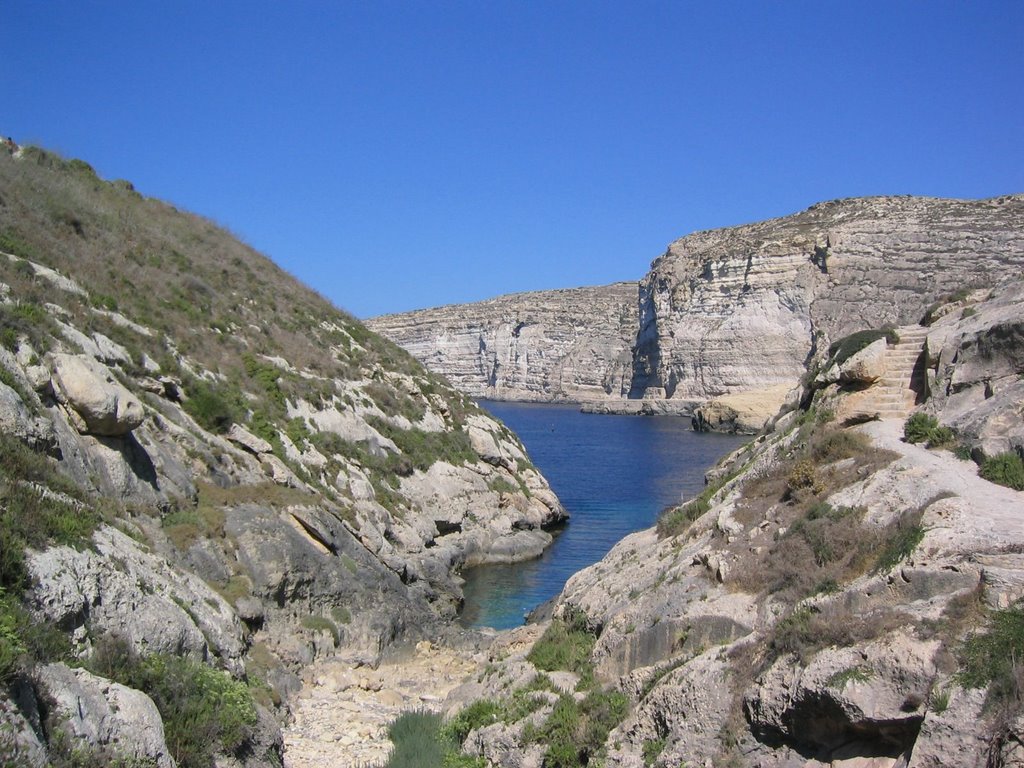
(397, 155)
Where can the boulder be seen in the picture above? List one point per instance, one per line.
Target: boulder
(866, 366)
(105, 716)
(243, 437)
(119, 589)
(96, 403)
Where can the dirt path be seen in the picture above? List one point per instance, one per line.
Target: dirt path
(342, 714)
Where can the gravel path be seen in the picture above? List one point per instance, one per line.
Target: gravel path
(342, 713)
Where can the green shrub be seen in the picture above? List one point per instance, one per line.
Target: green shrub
(1005, 469)
(213, 408)
(906, 535)
(652, 749)
(31, 518)
(565, 645)
(941, 437)
(11, 646)
(29, 320)
(421, 449)
(205, 712)
(575, 732)
(418, 741)
(919, 427)
(395, 403)
(478, 714)
(676, 520)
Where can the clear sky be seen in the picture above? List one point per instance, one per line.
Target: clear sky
(397, 155)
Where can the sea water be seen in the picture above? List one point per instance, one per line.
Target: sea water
(614, 474)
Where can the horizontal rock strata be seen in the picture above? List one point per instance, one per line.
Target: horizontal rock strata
(724, 312)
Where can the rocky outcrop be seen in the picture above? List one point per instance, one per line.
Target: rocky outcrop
(96, 403)
(975, 363)
(725, 313)
(107, 717)
(217, 467)
(811, 608)
(571, 345)
(741, 309)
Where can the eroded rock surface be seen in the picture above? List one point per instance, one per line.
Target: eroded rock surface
(567, 345)
(724, 313)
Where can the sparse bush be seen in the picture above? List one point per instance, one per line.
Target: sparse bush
(804, 476)
(566, 644)
(1005, 469)
(992, 658)
(919, 427)
(857, 674)
(205, 712)
(939, 701)
(320, 624)
(836, 444)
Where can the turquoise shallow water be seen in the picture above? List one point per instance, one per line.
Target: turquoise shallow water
(613, 473)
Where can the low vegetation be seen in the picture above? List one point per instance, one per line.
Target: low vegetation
(924, 428)
(992, 658)
(205, 712)
(565, 645)
(1005, 469)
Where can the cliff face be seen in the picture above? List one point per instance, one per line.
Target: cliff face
(209, 474)
(728, 315)
(837, 596)
(567, 345)
(737, 309)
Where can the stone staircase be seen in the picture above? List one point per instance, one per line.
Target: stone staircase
(901, 387)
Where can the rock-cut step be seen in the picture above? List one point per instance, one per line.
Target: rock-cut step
(901, 387)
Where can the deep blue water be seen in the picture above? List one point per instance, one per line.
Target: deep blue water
(613, 473)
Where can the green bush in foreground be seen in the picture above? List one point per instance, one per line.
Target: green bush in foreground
(205, 711)
(421, 741)
(1005, 469)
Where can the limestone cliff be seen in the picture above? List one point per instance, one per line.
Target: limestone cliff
(210, 477)
(568, 345)
(841, 594)
(729, 315)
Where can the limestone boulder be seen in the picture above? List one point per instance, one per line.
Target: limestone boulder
(118, 588)
(243, 437)
(97, 403)
(105, 716)
(873, 695)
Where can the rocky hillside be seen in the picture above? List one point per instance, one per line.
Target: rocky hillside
(727, 319)
(210, 477)
(847, 591)
(570, 345)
